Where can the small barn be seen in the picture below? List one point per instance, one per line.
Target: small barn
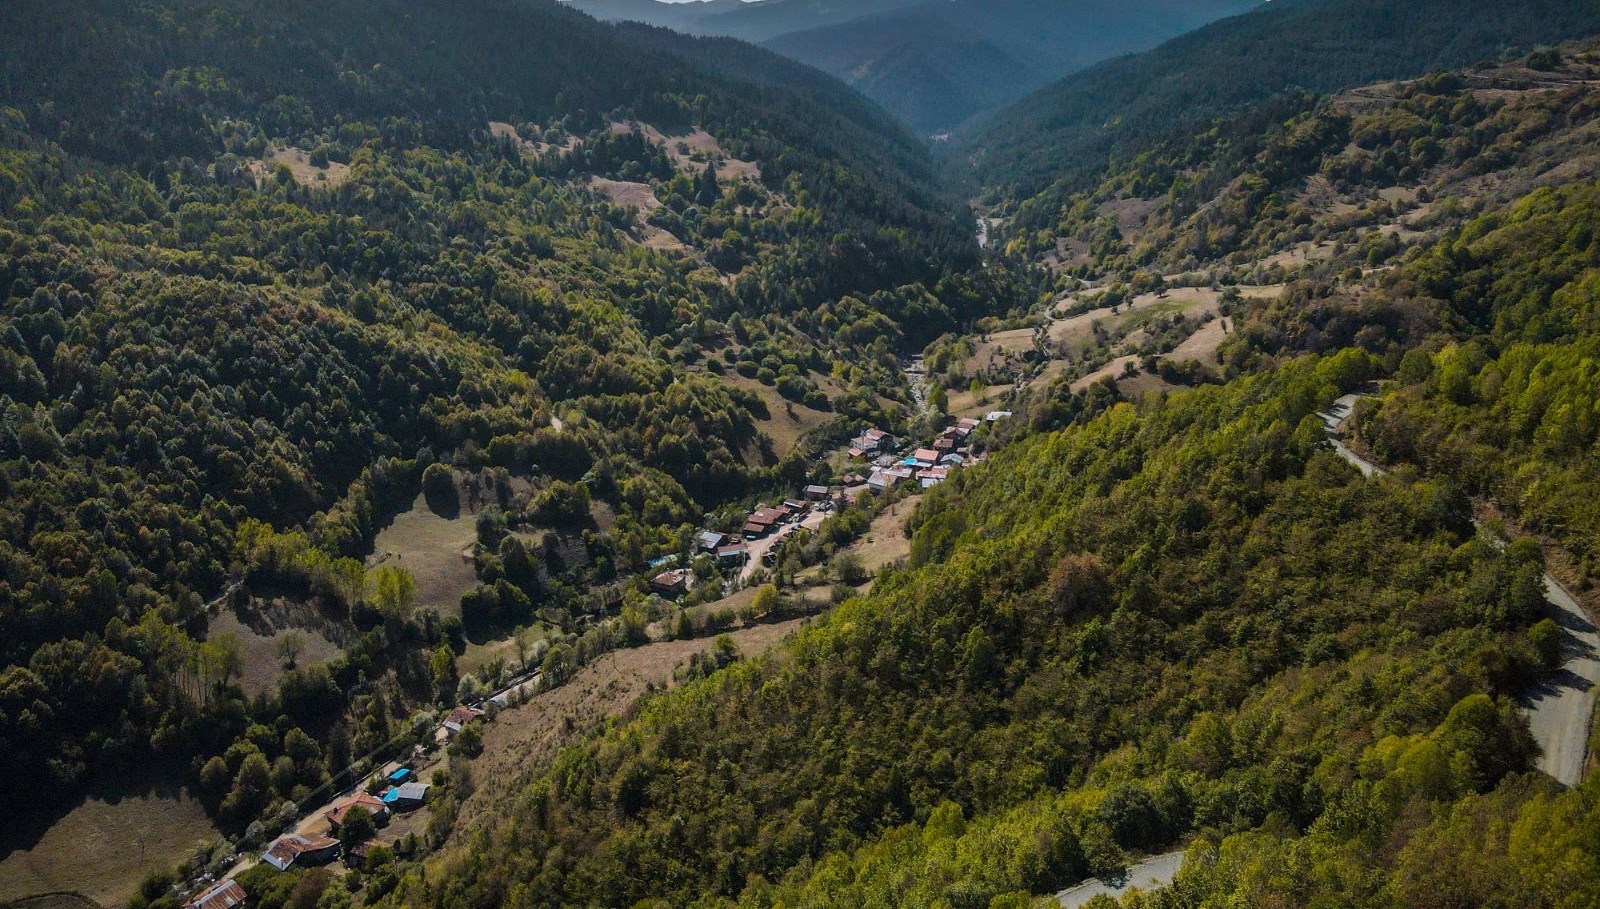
(221, 895)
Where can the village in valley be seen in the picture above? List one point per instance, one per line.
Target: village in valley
(367, 825)
(888, 466)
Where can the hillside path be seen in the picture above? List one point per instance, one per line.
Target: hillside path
(1559, 710)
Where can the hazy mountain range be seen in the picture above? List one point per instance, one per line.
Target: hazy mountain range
(935, 63)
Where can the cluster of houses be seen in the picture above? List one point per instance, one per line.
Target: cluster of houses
(925, 466)
(764, 521)
(871, 443)
(729, 552)
(401, 792)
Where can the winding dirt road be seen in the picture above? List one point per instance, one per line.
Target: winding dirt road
(1559, 710)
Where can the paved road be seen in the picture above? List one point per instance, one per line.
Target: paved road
(1332, 419)
(1559, 710)
(1150, 874)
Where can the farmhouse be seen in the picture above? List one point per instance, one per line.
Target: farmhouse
(671, 583)
(302, 850)
(737, 554)
(370, 803)
(818, 493)
(887, 478)
(870, 442)
(762, 521)
(459, 718)
(356, 855)
(221, 895)
(408, 797)
(708, 540)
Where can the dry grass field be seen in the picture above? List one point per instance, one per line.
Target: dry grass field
(105, 846)
(787, 422)
(637, 196)
(692, 149)
(436, 548)
(262, 664)
(300, 167)
(53, 901)
(885, 540)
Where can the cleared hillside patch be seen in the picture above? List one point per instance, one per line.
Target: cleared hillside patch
(259, 646)
(436, 547)
(105, 845)
(787, 422)
(328, 176)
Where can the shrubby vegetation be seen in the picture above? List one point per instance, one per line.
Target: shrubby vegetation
(1507, 400)
(1159, 623)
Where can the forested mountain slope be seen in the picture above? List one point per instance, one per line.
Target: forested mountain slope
(934, 63)
(1057, 141)
(1304, 179)
(275, 263)
(1162, 623)
(270, 271)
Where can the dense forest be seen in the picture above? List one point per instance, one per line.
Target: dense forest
(249, 304)
(1160, 623)
(270, 273)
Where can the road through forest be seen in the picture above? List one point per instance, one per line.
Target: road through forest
(1559, 710)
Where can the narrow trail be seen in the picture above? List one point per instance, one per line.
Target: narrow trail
(1559, 709)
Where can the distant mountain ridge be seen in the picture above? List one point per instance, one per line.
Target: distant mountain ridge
(936, 63)
(1064, 133)
(749, 20)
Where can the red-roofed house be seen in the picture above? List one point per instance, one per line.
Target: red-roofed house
(459, 718)
(221, 895)
(306, 850)
(671, 583)
(342, 808)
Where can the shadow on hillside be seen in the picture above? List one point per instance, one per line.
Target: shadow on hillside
(25, 827)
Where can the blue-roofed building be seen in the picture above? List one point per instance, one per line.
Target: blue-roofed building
(407, 797)
(400, 776)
